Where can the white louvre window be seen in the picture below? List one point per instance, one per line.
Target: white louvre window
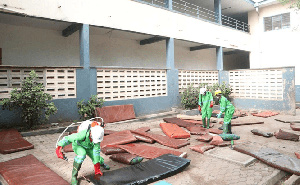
(277, 22)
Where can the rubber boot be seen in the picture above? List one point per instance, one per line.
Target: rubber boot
(229, 128)
(207, 126)
(225, 128)
(204, 123)
(105, 166)
(97, 169)
(76, 168)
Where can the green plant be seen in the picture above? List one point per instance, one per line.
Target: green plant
(86, 110)
(32, 100)
(225, 88)
(190, 97)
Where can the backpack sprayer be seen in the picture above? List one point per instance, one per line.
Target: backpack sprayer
(65, 158)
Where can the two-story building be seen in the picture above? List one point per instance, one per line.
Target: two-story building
(142, 52)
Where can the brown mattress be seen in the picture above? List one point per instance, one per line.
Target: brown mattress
(164, 140)
(146, 151)
(29, 170)
(117, 138)
(12, 141)
(115, 113)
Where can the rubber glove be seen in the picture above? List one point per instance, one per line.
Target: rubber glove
(219, 115)
(211, 104)
(199, 107)
(59, 153)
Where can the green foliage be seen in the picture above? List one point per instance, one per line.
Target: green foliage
(293, 3)
(86, 110)
(32, 100)
(190, 96)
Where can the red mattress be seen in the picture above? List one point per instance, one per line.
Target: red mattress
(180, 122)
(266, 114)
(116, 113)
(146, 151)
(174, 131)
(164, 140)
(12, 141)
(117, 138)
(29, 170)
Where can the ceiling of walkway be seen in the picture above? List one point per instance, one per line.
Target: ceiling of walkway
(229, 7)
(59, 26)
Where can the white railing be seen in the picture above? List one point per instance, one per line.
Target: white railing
(60, 83)
(196, 77)
(200, 12)
(129, 83)
(264, 84)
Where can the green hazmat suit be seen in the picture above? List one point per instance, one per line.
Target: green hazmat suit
(82, 146)
(227, 108)
(206, 111)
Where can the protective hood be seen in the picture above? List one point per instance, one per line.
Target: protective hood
(97, 134)
(202, 90)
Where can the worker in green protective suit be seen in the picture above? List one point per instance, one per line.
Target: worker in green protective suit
(205, 105)
(85, 142)
(226, 107)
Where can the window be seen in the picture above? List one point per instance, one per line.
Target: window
(277, 22)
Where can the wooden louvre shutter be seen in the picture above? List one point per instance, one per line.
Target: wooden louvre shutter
(268, 23)
(286, 20)
(276, 22)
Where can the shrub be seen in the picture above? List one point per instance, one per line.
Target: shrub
(190, 97)
(226, 90)
(86, 110)
(32, 100)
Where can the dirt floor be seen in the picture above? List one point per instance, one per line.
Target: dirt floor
(203, 169)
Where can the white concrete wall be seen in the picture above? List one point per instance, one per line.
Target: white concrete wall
(28, 46)
(132, 16)
(277, 48)
(195, 60)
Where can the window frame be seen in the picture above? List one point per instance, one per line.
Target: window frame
(283, 25)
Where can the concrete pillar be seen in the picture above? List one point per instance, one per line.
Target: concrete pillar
(86, 78)
(219, 54)
(172, 74)
(170, 53)
(218, 11)
(84, 42)
(169, 4)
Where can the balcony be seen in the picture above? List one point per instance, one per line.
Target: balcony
(197, 11)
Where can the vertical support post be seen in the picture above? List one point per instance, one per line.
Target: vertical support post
(84, 41)
(219, 54)
(172, 73)
(218, 11)
(170, 53)
(169, 4)
(86, 78)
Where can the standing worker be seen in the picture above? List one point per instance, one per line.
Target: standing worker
(205, 105)
(85, 142)
(227, 107)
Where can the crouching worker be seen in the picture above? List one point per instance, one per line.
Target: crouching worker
(205, 105)
(85, 142)
(228, 108)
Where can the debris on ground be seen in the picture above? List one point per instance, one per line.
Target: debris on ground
(202, 147)
(174, 131)
(265, 114)
(295, 126)
(126, 158)
(261, 133)
(286, 135)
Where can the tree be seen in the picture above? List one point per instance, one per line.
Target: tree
(293, 3)
(32, 100)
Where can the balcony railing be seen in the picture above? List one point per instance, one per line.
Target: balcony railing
(201, 13)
